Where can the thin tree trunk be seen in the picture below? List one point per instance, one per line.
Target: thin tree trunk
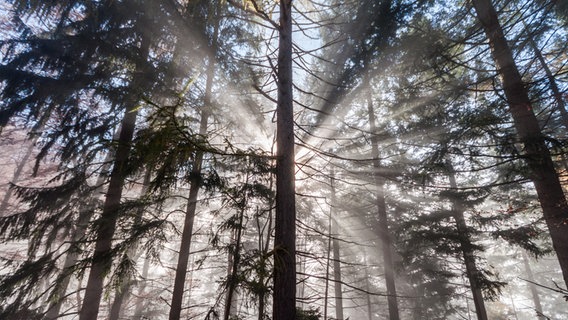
(284, 302)
(236, 260)
(367, 288)
(101, 260)
(560, 104)
(187, 233)
(263, 266)
(327, 265)
(336, 255)
(81, 226)
(16, 177)
(302, 269)
(536, 152)
(71, 259)
(124, 290)
(532, 286)
(471, 269)
(140, 299)
(382, 217)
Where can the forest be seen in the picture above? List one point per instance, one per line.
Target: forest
(283, 160)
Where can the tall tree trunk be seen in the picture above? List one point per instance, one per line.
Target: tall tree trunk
(101, 261)
(532, 286)
(187, 233)
(81, 226)
(384, 233)
(471, 269)
(284, 302)
(336, 255)
(536, 153)
(58, 297)
(124, 290)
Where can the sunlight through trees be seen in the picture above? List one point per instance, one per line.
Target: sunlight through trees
(285, 160)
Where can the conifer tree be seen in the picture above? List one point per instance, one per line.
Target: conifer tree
(536, 152)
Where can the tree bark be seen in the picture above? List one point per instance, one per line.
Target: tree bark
(471, 269)
(384, 233)
(536, 152)
(284, 302)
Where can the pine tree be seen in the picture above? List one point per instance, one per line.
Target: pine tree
(536, 152)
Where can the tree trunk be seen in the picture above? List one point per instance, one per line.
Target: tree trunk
(384, 233)
(263, 278)
(138, 311)
(124, 290)
(71, 259)
(466, 247)
(532, 286)
(367, 287)
(536, 153)
(327, 264)
(16, 177)
(560, 104)
(284, 302)
(336, 255)
(235, 261)
(101, 261)
(187, 233)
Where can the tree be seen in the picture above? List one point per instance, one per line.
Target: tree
(383, 223)
(102, 257)
(536, 152)
(187, 233)
(284, 298)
